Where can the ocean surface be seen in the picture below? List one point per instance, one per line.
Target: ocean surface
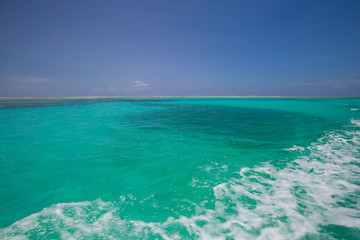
(180, 168)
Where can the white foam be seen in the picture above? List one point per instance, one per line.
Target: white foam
(263, 202)
(354, 109)
(295, 148)
(356, 122)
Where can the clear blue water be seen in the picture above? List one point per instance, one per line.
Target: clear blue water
(180, 168)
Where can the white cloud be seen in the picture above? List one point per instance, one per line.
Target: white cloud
(111, 89)
(348, 85)
(23, 79)
(139, 84)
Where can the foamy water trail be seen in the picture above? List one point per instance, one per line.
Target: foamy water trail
(316, 190)
(295, 149)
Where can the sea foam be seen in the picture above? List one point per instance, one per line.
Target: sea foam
(355, 122)
(295, 148)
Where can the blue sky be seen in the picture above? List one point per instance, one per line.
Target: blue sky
(137, 48)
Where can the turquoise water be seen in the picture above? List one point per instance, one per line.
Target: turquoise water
(181, 168)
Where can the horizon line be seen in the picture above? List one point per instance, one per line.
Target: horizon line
(124, 97)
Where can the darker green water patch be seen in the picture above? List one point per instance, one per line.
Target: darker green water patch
(334, 232)
(26, 103)
(247, 130)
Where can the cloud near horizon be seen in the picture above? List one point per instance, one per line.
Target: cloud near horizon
(341, 86)
(8, 78)
(25, 86)
(139, 84)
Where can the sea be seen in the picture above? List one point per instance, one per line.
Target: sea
(180, 168)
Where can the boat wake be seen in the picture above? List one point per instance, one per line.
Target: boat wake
(315, 192)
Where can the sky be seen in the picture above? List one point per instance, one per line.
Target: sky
(54, 48)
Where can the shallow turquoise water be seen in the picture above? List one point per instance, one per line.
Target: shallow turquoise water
(221, 168)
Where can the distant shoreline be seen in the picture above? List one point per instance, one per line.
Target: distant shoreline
(126, 97)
